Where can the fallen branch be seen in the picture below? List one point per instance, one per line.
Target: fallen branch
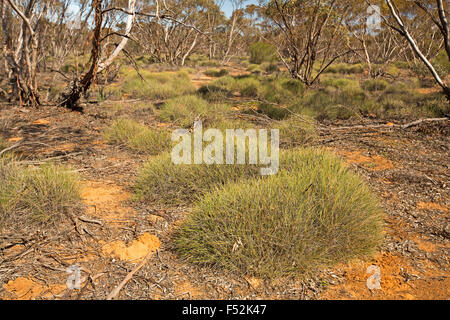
(415, 123)
(403, 126)
(11, 147)
(116, 291)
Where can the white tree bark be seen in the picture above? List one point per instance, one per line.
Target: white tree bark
(404, 32)
(130, 18)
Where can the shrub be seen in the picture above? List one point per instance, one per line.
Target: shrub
(138, 137)
(374, 85)
(345, 68)
(210, 63)
(296, 131)
(253, 67)
(330, 104)
(273, 111)
(161, 180)
(164, 181)
(282, 90)
(30, 195)
(290, 224)
(185, 110)
(269, 67)
(442, 64)
(262, 52)
(294, 86)
(249, 87)
(341, 83)
(216, 73)
(161, 85)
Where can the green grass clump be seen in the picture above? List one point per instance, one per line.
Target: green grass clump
(3, 143)
(162, 85)
(33, 194)
(216, 73)
(161, 180)
(138, 137)
(374, 85)
(344, 68)
(185, 110)
(254, 68)
(342, 83)
(168, 183)
(262, 52)
(209, 63)
(273, 111)
(269, 67)
(291, 224)
(249, 87)
(272, 89)
(296, 131)
(281, 90)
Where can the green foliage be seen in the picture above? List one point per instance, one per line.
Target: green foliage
(185, 110)
(314, 215)
(442, 64)
(272, 89)
(138, 137)
(269, 67)
(161, 180)
(344, 68)
(216, 73)
(161, 85)
(273, 111)
(3, 143)
(374, 85)
(296, 131)
(254, 68)
(262, 52)
(30, 194)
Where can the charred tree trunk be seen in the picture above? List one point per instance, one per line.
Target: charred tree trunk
(71, 97)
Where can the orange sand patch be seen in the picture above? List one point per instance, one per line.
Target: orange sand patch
(15, 139)
(137, 250)
(105, 201)
(428, 90)
(374, 163)
(41, 122)
(183, 288)
(27, 289)
(426, 246)
(67, 147)
(431, 206)
(393, 285)
(255, 283)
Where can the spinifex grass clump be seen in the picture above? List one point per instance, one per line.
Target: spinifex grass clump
(161, 180)
(138, 137)
(313, 215)
(184, 110)
(161, 85)
(30, 194)
(170, 183)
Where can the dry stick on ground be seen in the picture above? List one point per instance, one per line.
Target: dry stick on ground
(116, 291)
(403, 126)
(11, 147)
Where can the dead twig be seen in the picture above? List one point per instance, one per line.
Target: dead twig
(11, 147)
(116, 291)
(403, 126)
